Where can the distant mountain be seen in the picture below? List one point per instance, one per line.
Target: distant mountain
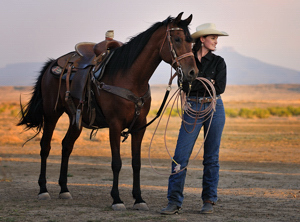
(241, 70)
(20, 74)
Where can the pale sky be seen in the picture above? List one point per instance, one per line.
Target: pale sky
(35, 30)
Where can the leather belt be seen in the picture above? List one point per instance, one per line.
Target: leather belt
(203, 99)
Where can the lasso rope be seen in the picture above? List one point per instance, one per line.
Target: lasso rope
(182, 106)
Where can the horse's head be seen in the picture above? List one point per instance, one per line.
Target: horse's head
(176, 48)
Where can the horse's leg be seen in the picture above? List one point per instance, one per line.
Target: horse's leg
(116, 165)
(136, 141)
(45, 143)
(67, 147)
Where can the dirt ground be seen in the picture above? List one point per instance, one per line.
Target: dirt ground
(259, 176)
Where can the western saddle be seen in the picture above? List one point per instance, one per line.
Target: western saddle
(76, 68)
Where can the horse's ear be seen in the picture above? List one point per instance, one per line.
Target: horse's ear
(188, 20)
(178, 18)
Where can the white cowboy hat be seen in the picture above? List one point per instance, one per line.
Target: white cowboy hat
(207, 29)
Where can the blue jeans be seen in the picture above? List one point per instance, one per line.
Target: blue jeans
(184, 148)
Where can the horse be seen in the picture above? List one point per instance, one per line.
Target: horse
(129, 69)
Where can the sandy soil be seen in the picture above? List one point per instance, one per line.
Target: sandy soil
(259, 177)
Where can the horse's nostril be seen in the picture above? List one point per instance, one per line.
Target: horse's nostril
(192, 72)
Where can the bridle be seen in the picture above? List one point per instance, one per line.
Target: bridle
(175, 58)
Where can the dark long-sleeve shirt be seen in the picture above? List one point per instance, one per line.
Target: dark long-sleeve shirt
(210, 67)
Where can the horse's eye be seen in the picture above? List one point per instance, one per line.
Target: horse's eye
(177, 39)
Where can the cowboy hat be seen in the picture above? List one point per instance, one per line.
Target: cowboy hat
(207, 29)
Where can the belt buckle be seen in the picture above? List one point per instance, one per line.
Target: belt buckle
(204, 99)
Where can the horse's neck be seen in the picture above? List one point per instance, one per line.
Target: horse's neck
(147, 62)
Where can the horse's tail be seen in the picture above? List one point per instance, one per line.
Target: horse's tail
(32, 114)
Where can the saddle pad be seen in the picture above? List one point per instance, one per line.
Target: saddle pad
(100, 71)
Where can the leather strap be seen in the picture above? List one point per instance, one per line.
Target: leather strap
(68, 81)
(203, 99)
(126, 94)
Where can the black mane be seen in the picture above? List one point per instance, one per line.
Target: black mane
(125, 56)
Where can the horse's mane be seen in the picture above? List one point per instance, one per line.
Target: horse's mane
(124, 56)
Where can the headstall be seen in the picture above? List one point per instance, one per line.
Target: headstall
(175, 58)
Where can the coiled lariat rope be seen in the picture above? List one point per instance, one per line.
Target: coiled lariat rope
(180, 98)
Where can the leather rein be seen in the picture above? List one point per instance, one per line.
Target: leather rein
(139, 101)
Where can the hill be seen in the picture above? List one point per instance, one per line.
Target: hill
(244, 70)
(241, 70)
(20, 74)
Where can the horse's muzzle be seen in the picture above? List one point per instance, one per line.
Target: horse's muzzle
(190, 75)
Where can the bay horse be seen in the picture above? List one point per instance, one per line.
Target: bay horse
(130, 68)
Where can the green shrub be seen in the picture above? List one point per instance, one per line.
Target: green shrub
(152, 112)
(280, 111)
(14, 112)
(174, 112)
(246, 113)
(261, 113)
(295, 111)
(3, 107)
(231, 112)
(166, 113)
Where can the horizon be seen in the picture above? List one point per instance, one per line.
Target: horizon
(241, 70)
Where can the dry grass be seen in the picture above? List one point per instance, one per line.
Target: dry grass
(273, 139)
(259, 176)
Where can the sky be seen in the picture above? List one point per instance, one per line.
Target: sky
(35, 30)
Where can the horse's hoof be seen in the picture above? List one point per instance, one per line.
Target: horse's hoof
(65, 196)
(44, 196)
(118, 207)
(140, 206)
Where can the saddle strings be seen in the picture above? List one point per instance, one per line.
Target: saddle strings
(182, 106)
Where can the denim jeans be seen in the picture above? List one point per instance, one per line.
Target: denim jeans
(184, 148)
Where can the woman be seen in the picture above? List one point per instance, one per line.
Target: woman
(213, 68)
